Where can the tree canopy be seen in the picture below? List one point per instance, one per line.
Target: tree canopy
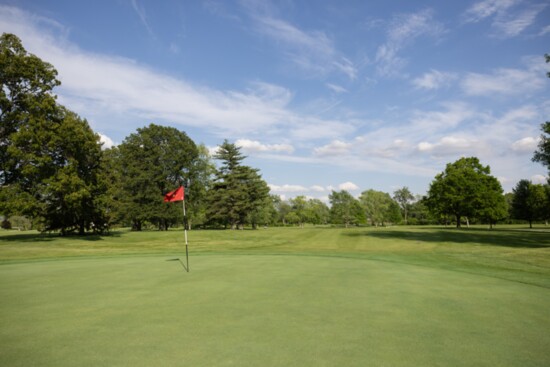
(465, 189)
(153, 161)
(50, 159)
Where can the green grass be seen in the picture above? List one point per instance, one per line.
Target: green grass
(399, 296)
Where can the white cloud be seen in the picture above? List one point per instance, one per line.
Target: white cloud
(505, 81)
(508, 20)
(334, 148)
(107, 142)
(434, 80)
(403, 30)
(312, 51)
(317, 188)
(336, 88)
(525, 145)
(544, 30)
(101, 85)
(348, 186)
(140, 11)
(451, 146)
(487, 8)
(287, 188)
(253, 146)
(539, 179)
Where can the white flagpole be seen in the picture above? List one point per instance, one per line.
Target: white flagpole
(185, 231)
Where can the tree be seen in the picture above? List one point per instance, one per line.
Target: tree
(299, 207)
(403, 196)
(529, 202)
(379, 207)
(26, 94)
(201, 175)
(542, 154)
(317, 212)
(494, 206)
(152, 162)
(463, 189)
(345, 209)
(237, 190)
(50, 158)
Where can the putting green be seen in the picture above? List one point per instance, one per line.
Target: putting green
(266, 310)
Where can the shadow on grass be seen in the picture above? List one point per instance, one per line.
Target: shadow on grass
(46, 237)
(496, 237)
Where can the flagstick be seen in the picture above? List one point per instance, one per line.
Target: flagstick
(185, 231)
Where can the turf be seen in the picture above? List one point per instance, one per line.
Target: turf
(313, 297)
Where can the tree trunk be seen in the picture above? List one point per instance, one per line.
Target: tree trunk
(530, 224)
(467, 222)
(458, 221)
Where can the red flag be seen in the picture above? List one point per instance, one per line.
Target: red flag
(176, 195)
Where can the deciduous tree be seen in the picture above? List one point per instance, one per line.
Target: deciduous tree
(345, 209)
(464, 189)
(153, 161)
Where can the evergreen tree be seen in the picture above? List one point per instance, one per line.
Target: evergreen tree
(237, 190)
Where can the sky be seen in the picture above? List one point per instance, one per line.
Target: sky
(320, 95)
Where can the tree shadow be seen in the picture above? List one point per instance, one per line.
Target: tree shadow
(517, 238)
(46, 237)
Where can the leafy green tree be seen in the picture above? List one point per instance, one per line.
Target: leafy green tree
(464, 189)
(530, 202)
(494, 206)
(345, 209)
(292, 218)
(419, 213)
(153, 161)
(403, 197)
(201, 176)
(26, 94)
(50, 157)
(237, 190)
(317, 212)
(265, 213)
(380, 207)
(542, 154)
(299, 206)
(283, 208)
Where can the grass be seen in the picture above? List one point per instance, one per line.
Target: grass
(283, 296)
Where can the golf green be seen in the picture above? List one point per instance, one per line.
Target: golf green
(266, 310)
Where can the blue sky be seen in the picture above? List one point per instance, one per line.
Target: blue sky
(320, 95)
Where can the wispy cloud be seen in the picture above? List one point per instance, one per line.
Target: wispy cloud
(94, 84)
(487, 8)
(402, 31)
(142, 14)
(506, 81)
(335, 148)
(313, 51)
(434, 80)
(336, 88)
(509, 17)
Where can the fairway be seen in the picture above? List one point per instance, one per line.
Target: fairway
(253, 307)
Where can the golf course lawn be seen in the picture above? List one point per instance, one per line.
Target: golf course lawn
(399, 296)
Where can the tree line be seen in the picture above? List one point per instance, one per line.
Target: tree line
(55, 175)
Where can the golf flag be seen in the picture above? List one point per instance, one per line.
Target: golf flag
(176, 195)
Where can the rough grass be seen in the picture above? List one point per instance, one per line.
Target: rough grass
(298, 297)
